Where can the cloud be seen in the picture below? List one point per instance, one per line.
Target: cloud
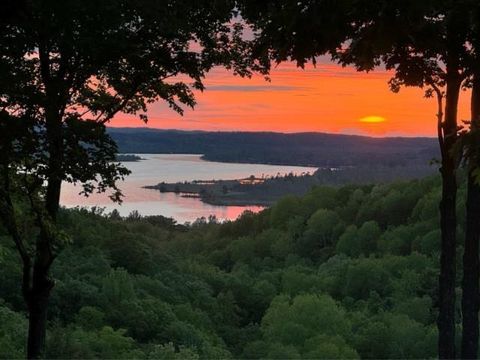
(326, 69)
(255, 88)
(381, 133)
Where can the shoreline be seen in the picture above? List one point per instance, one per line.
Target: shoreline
(237, 192)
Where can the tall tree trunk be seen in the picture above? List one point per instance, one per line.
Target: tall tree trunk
(448, 221)
(38, 296)
(37, 307)
(471, 262)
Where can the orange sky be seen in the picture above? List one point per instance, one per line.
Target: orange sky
(328, 98)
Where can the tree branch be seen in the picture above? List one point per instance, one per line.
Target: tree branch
(7, 213)
(41, 216)
(125, 101)
(440, 130)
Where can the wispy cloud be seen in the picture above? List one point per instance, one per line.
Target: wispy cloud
(255, 88)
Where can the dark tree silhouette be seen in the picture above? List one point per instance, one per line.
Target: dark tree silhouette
(66, 69)
(471, 151)
(424, 42)
(471, 265)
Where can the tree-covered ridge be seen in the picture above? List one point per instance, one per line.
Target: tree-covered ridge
(305, 149)
(339, 273)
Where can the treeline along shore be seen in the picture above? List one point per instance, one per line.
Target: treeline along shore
(265, 191)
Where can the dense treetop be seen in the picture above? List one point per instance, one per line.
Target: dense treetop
(339, 273)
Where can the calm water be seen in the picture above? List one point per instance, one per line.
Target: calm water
(157, 168)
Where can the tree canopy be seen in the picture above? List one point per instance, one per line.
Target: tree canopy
(146, 288)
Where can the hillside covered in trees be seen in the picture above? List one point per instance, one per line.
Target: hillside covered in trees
(343, 272)
(305, 149)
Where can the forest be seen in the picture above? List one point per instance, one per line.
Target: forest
(346, 272)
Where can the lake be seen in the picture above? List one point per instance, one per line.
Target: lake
(157, 168)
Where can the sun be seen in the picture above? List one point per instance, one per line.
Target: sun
(373, 119)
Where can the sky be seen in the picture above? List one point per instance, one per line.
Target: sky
(327, 98)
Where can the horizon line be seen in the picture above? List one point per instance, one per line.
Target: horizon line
(387, 136)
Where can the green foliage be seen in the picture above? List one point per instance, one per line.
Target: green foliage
(13, 330)
(168, 352)
(328, 347)
(293, 321)
(349, 243)
(312, 277)
(105, 343)
(117, 287)
(363, 241)
(286, 208)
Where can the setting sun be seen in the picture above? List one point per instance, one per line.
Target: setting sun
(373, 119)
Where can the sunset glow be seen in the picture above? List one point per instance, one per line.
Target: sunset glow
(373, 119)
(327, 98)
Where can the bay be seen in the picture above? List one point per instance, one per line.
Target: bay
(170, 168)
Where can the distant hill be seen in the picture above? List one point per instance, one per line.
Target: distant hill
(307, 149)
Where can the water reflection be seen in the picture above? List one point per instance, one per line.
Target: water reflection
(173, 168)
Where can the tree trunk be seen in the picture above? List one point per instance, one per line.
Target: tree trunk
(471, 262)
(446, 317)
(38, 295)
(37, 307)
(38, 286)
(448, 222)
